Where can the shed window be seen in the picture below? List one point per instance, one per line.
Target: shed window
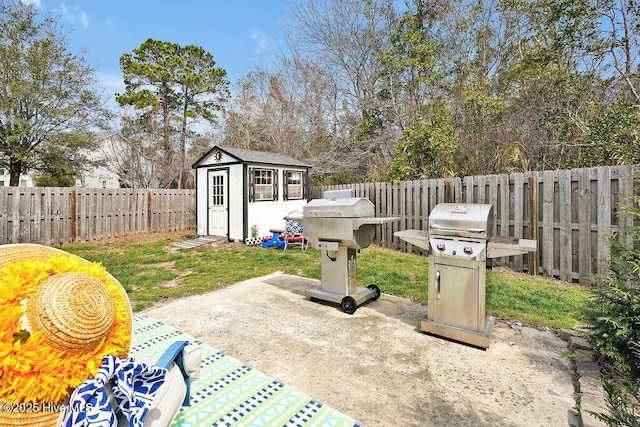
(263, 184)
(294, 185)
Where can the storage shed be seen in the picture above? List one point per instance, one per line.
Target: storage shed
(244, 193)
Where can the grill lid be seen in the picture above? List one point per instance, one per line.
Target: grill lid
(347, 207)
(462, 220)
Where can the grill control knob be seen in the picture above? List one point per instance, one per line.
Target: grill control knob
(468, 250)
(440, 246)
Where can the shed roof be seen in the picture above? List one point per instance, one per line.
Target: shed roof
(252, 156)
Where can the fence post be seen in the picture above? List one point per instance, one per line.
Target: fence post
(372, 193)
(449, 191)
(74, 217)
(533, 222)
(149, 213)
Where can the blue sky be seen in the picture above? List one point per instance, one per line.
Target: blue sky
(239, 33)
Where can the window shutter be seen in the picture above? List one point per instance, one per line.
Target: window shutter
(304, 184)
(285, 185)
(251, 185)
(275, 184)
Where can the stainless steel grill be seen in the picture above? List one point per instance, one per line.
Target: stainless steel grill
(340, 225)
(459, 240)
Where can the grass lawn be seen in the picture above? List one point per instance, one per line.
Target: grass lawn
(151, 271)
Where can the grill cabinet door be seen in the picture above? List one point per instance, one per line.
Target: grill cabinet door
(453, 296)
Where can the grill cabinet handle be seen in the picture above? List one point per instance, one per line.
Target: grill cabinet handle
(470, 230)
(437, 284)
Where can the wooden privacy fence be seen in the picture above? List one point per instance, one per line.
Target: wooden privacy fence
(574, 211)
(54, 216)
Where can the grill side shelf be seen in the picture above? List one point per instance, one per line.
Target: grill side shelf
(417, 238)
(500, 249)
(359, 222)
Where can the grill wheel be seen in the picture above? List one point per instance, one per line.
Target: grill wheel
(349, 304)
(377, 289)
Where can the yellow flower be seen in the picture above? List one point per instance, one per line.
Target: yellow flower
(31, 370)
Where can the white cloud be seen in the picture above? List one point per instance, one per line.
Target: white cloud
(262, 43)
(75, 16)
(110, 24)
(84, 19)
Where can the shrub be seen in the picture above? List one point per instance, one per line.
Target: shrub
(613, 315)
(614, 312)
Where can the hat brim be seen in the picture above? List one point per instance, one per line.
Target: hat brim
(15, 252)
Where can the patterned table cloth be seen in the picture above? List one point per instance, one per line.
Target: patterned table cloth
(230, 393)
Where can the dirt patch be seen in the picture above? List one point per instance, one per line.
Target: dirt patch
(171, 283)
(141, 238)
(177, 281)
(169, 265)
(376, 365)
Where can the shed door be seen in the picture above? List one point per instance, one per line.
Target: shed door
(218, 203)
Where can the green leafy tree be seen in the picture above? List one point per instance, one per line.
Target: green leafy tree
(413, 74)
(171, 84)
(149, 78)
(64, 159)
(46, 92)
(558, 81)
(474, 54)
(427, 147)
(529, 85)
(613, 137)
(204, 90)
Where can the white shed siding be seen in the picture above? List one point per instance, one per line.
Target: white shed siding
(267, 215)
(236, 202)
(201, 202)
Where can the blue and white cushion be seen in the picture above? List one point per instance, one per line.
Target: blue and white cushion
(133, 384)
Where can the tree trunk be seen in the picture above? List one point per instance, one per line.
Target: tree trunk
(168, 176)
(15, 169)
(183, 140)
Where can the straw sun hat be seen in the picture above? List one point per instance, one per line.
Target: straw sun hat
(59, 316)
